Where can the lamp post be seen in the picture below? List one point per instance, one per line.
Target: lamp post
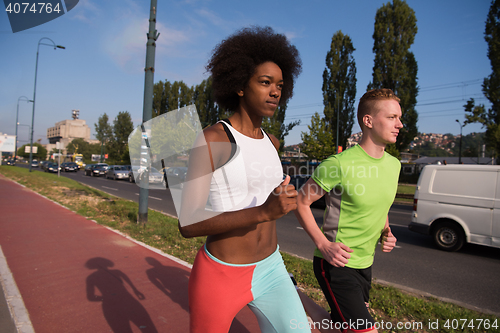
(34, 91)
(102, 149)
(142, 216)
(17, 122)
(460, 144)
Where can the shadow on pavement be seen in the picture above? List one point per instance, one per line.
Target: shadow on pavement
(119, 307)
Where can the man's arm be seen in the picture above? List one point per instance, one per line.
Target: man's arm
(335, 253)
(387, 239)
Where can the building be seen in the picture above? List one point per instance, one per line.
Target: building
(67, 130)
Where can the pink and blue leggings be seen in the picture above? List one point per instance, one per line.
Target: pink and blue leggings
(218, 291)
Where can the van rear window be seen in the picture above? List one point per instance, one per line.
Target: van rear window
(474, 184)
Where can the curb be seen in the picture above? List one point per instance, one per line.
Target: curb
(14, 299)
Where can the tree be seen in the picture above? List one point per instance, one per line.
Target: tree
(170, 96)
(122, 127)
(104, 132)
(395, 66)
(318, 142)
(80, 146)
(275, 125)
(491, 85)
(208, 111)
(40, 155)
(103, 129)
(339, 88)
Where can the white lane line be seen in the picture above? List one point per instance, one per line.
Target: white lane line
(151, 197)
(110, 188)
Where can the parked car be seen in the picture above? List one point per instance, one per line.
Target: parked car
(69, 167)
(458, 204)
(298, 181)
(43, 165)
(52, 167)
(95, 170)
(155, 177)
(117, 172)
(176, 176)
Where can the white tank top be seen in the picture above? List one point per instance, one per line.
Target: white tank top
(248, 178)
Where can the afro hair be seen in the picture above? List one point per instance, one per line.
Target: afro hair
(235, 59)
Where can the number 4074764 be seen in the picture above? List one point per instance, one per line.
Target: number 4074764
(36, 8)
(472, 324)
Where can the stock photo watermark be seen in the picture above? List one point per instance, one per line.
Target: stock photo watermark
(25, 15)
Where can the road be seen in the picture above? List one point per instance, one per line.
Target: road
(470, 276)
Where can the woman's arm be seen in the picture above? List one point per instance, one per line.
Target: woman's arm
(211, 151)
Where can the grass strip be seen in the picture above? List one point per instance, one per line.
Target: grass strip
(397, 311)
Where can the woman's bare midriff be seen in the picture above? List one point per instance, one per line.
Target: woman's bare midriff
(244, 246)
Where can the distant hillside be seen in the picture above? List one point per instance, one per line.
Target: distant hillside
(433, 144)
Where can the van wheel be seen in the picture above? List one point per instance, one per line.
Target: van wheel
(448, 236)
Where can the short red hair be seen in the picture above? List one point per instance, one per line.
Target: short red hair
(366, 102)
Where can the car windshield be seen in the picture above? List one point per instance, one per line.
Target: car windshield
(100, 167)
(120, 168)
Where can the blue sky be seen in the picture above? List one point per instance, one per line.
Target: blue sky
(102, 68)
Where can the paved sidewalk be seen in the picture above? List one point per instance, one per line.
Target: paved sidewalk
(70, 274)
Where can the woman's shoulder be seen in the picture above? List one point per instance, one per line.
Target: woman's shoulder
(274, 140)
(215, 133)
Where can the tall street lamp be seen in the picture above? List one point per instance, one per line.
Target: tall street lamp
(34, 91)
(102, 148)
(17, 122)
(460, 144)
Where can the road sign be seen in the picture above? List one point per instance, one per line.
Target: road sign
(27, 149)
(7, 143)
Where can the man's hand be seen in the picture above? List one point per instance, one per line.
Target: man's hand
(388, 240)
(337, 254)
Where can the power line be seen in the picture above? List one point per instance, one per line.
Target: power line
(451, 85)
(443, 115)
(304, 106)
(424, 89)
(451, 101)
(461, 97)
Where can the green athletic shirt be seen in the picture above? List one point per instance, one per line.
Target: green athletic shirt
(361, 189)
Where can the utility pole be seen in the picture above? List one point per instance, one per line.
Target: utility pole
(460, 144)
(337, 131)
(148, 105)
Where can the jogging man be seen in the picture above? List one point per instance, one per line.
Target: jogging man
(360, 184)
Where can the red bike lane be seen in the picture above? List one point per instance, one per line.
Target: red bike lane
(75, 275)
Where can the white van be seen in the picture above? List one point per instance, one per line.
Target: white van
(457, 204)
